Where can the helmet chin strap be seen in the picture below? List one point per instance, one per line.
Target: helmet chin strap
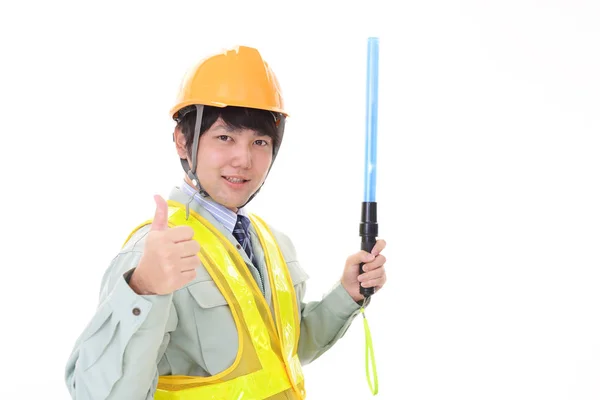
(191, 172)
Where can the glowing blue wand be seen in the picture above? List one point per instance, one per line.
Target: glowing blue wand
(368, 226)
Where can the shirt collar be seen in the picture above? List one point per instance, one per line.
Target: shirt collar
(221, 213)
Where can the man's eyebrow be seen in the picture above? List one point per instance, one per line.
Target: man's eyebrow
(226, 128)
(235, 131)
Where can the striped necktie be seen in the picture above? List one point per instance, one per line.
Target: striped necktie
(240, 232)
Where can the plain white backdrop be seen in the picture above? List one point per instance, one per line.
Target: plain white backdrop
(488, 178)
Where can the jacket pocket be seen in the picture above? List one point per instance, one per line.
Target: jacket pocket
(298, 277)
(217, 333)
(297, 274)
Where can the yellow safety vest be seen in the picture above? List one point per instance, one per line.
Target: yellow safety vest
(267, 364)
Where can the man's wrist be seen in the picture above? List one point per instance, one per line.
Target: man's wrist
(135, 283)
(127, 275)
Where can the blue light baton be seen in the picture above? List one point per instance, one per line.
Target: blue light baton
(368, 224)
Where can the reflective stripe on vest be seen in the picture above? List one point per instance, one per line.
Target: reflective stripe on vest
(267, 362)
(284, 299)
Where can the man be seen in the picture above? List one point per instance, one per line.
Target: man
(206, 300)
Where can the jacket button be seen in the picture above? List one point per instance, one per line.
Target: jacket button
(238, 246)
(136, 311)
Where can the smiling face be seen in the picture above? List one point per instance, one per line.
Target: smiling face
(232, 162)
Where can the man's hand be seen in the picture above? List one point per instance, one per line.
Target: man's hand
(374, 275)
(170, 256)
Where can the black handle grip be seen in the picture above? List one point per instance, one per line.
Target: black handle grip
(368, 232)
(367, 245)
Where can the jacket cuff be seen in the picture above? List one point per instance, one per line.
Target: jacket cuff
(142, 310)
(339, 301)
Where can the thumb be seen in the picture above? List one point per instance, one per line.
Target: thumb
(159, 223)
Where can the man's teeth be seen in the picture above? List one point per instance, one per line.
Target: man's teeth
(235, 180)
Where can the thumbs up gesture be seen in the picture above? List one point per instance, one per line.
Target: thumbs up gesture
(170, 256)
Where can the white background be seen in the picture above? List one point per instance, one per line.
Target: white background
(488, 178)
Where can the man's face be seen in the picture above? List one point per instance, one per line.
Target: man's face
(232, 163)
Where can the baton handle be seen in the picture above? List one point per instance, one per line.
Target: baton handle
(368, 231)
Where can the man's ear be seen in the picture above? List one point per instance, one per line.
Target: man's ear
(180, 143)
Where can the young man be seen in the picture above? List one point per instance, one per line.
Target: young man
(206, 301)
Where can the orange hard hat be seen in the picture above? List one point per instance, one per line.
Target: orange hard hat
(235, 77)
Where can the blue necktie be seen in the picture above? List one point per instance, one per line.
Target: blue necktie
(240, 232)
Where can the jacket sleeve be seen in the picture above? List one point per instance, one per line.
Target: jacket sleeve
(116, 355)
(323, 322)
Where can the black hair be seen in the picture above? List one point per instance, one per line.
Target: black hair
(262, 121)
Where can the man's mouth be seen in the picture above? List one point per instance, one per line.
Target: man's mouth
(235, 179)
